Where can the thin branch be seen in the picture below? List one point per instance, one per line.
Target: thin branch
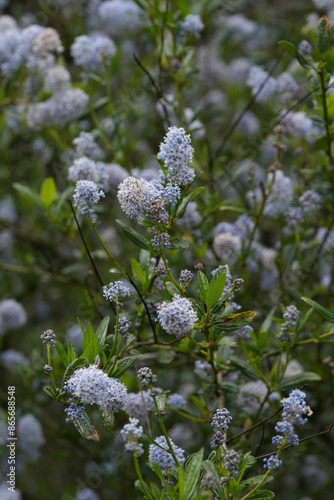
(156, 87)
(145, 305)
(255, 425)
(301, 440)
(162, 41)
(246, 108)
(87, 250)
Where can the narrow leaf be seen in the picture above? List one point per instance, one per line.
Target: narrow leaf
(291, 49)
(48, 191)
(62, 353)
(135, 237)
(29, 194)
(215, 290)
(298, 380)
(193, 471)
(328, 316)
(86, 428)
(101, 332)
(203, 285)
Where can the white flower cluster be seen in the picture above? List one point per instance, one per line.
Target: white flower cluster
(177, 317)
(92, 386)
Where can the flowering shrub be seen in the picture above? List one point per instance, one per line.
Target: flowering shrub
(166, 239)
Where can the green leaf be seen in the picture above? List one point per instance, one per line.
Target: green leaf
(178, 243)
(182, 208)
(203, 285)
(122, 365)
(108, 419)
(101, 332)
(29, 194)
(265, 327)
(324, 35)
(50, 392)
(137, 271)
(328, 316)
(215, 290)
(246, 462)
(86, 428)
(192, 473)
(235, 321)
(165, 356)
(244, 367)
(198, 404)
(62, 353)
(172, 288)
(91, 351)
(48, 191)
(71, 352)
(89, 344)
(89, 336)
(77, 363)
(262, 495)
(135, 237)
(298, 380)
(292, 50)
(103, 357)
(253, 481)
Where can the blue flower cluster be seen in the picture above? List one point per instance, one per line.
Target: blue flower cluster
(131, 433)
(74, 411)
(86, 194)
(93, 52)
(295, 411)
(176, 152)
(163, 457)
(177, 317)
(291, 316)
(92, 386)
(115, 290)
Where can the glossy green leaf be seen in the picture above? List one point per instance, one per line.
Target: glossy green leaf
(182, 208)
(86, 428)
(324, 35)
(296, 381)
(192, 473)
(71, 352)
(178, 243)
(29, 194)
(101, 332)
(328, 316)
(108, 419)
(215, 290)
(244, 367)
(203, 285)
(62, 353)
(48, 191)
(77, 363)
(172, 288)
(50, 392)
(133, 235)
(235, 321)
(292, 50)
(137, 271)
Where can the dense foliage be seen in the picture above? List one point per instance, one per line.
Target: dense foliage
(166, 240)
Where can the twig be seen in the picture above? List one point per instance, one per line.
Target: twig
(145, 305)
(156, 87)
(87, 249)
(144, 403)
(301, 440)
(246, 108)
(162, 41)
(255, 425)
